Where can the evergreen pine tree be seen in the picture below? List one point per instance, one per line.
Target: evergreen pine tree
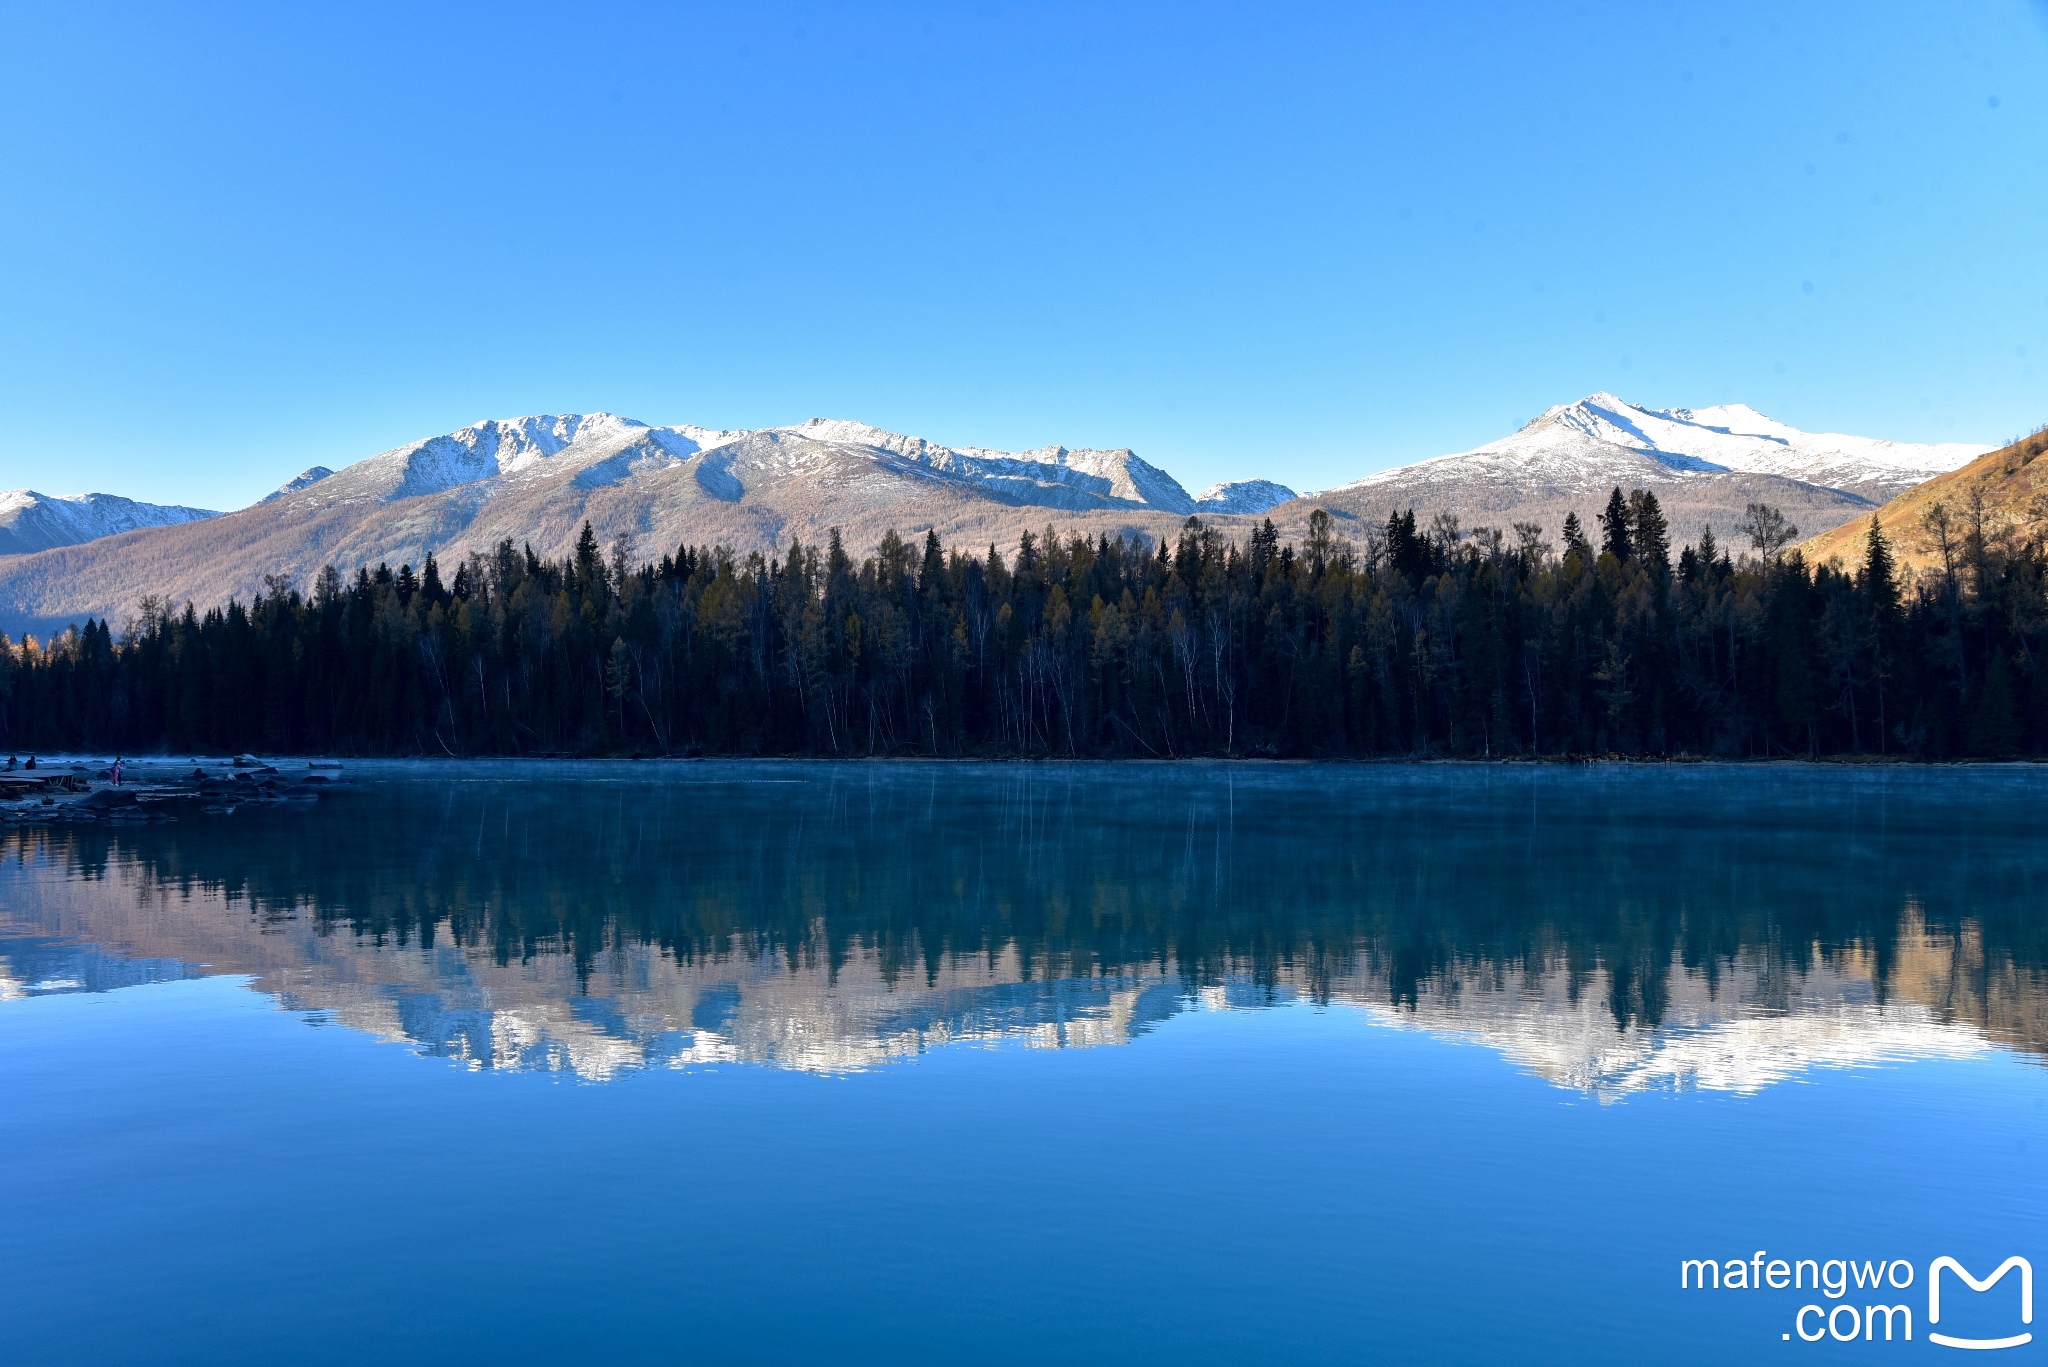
(1614, 528)
(1880, 588)
(1879, 580)
(1995, 729)
(1575, 542)
(589, 564)
(1406, 549)
(1651, 534)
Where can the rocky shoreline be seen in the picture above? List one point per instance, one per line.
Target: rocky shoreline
(153, 790)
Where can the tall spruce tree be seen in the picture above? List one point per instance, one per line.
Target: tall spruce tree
(1575, 542)
(1650, 534)
(1878, 583)
(1615, 538)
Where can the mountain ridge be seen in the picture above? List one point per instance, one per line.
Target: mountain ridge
(1729, 439)
(32, 521)
(536, 479)
(1705, 465)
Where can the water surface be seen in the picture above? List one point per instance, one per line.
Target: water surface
(927, 1063)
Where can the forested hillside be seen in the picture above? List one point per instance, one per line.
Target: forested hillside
(1999, 498)
(1420, 641)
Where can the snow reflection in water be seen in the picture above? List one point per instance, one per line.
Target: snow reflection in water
(1609, 930)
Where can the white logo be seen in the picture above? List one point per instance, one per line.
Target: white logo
(2026, 1300)
(1847, 1321)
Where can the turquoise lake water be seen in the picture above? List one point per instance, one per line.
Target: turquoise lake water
(780, 1063)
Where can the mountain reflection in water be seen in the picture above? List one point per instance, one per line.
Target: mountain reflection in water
(1609, 929)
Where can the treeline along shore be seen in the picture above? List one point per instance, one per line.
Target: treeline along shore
(1415, 641)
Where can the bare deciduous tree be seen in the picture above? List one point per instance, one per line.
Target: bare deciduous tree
(1769, 532)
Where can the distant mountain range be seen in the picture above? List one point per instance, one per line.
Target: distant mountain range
(30, 521)
(535, 480)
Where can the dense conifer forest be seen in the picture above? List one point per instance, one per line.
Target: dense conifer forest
(1408, 641)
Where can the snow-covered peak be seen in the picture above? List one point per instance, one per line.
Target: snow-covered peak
(1058, 475)
(305, 479)
(520, 442)
(30, 521)
(601, 449)
(686, 440)
(1243, 497)
(1735, 419)
(1603, 438)
(849, 432)
(1737, 437)
(481, 451)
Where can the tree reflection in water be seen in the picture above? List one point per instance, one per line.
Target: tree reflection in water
(1611, 928)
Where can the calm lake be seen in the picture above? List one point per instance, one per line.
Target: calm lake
(919, 1063)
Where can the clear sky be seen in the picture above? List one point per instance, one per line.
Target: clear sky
(1290, 241)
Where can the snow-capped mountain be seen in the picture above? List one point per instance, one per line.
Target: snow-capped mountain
(1602, 440)
(1737, 437)
(30, 521)
(600, 449)
(536, 480)
(1243, 497)
(1704, 464)
(305, 479)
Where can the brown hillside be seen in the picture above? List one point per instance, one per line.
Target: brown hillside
(2009, 484)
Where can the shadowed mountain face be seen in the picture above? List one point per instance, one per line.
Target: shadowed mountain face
(31, 522)
(1610, 930)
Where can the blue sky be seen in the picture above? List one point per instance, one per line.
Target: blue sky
(1289, 241)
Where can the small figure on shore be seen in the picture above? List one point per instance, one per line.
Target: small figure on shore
(31, 762)
(11, 763)
(117, 771)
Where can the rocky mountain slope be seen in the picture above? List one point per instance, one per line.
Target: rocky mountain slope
(536, 480)
(2010, 485)
(30, 521)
